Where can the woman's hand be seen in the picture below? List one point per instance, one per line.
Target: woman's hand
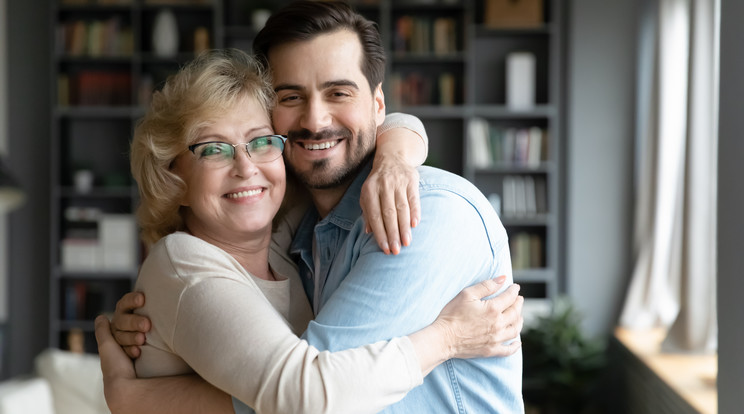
(477, 327)
(471, 327)
(129, 329)
(116, 366)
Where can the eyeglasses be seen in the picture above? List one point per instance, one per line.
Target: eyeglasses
(260, 149)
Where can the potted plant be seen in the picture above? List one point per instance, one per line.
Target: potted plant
(561, 365)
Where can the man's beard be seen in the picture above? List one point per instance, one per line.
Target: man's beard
(321, 175)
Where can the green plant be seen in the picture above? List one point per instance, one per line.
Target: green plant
(561, 365)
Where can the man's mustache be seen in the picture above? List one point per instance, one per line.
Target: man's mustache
(326, 134)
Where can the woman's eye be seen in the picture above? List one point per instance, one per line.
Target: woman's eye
(260, 142)
(212, 149)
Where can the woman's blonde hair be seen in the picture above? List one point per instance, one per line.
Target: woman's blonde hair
(190, 100)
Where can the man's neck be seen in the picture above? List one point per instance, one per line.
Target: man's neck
(326, 200)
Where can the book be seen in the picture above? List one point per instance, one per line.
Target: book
(77, 38)
(444, 36)
(530, 199)
(496, 135)
(446, 89)
(479, 142)
(534, 153)
(520, 196)
(509, 196)
(95, 39)
(520, 251)
(541, 195)
(509, 143)
(521, 146)
(536, 252)
(526, 251)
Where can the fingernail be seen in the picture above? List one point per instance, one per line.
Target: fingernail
(501, 279)
(396, 247)
(414, 222)
(385, 248)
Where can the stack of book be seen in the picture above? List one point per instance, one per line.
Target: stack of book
(524, 196)
(425, 35)
(95, 38)
(492, 145)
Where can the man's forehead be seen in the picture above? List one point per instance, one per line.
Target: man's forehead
(336, 54)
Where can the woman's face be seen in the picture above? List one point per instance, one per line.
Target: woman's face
(232, 199)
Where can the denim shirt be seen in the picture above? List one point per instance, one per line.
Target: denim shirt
(362, 295)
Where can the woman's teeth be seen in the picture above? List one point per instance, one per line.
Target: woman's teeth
(244, 193)
(322, 145)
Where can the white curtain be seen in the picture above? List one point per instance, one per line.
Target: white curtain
(673, 282)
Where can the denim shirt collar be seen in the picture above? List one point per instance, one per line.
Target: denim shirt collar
(346, 212)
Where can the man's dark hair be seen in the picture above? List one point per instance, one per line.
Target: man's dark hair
(305, 19)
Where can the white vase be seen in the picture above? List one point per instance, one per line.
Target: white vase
(165, 34)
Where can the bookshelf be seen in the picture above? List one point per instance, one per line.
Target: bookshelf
(105, 64)
(448, 64)
(500, 128)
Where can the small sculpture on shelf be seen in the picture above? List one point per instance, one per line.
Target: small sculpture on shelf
(165, 34)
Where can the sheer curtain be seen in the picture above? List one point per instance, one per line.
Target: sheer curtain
(673, 282)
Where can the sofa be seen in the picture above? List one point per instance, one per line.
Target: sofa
(63, 383)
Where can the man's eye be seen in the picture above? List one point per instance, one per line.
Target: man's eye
(289, 98)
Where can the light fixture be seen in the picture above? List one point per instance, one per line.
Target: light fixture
(11, 195)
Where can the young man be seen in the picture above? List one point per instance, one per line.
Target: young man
(330, 106)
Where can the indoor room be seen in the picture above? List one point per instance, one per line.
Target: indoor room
(602, 133)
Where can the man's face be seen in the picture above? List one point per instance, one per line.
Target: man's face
(326, 107)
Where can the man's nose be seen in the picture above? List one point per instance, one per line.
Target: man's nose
(316, 116)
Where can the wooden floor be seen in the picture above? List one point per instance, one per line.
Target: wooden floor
(693, 377)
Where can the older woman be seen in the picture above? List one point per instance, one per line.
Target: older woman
(223, 300)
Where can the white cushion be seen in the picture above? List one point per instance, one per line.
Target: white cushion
(23, 396)
(75, 379)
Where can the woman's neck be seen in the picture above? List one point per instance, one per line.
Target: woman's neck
(250, 250)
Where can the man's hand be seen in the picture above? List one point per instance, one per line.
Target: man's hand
(125, 393)
(129, 329)
(390, 202)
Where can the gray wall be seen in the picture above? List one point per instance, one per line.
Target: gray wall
(600, 134)
(730, 207)
(28, 123)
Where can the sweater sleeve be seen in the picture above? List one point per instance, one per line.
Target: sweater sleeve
(227, 331)
(400, 120)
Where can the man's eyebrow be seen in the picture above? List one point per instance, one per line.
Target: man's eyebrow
(340, 82)
(324, 85)
(287, 86)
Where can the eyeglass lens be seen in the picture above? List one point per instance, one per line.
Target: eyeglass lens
(261, 149)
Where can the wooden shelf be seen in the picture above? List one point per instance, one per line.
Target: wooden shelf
(692, 377)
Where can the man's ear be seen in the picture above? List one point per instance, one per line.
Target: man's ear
(379, 98)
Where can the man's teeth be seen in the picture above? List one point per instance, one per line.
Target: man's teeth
(244, 193)
(322, 145)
